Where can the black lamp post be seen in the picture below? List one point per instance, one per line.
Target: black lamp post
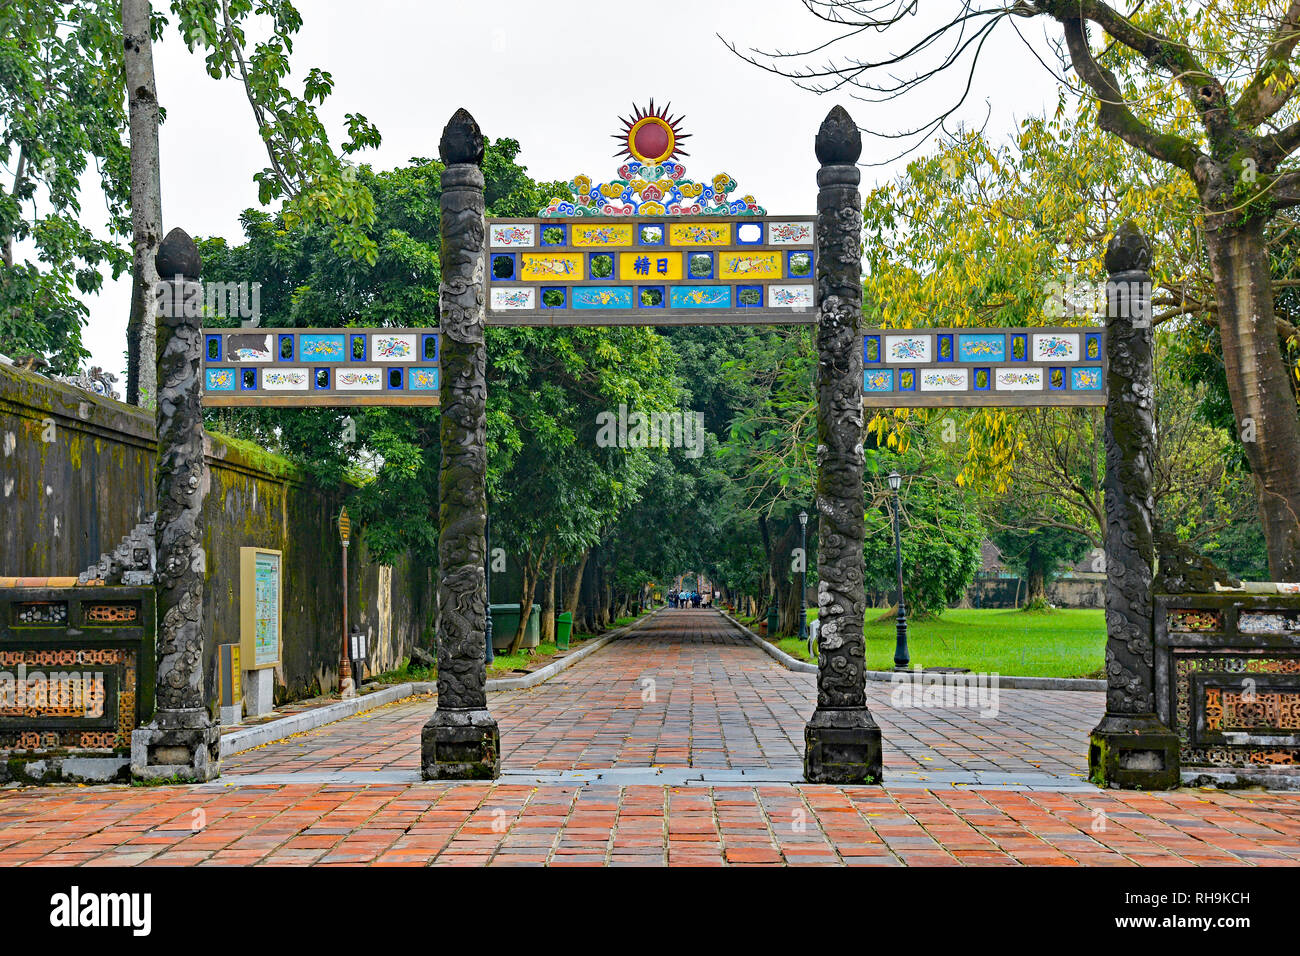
(901, 658)
(803, 576)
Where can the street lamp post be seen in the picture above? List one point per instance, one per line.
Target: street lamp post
(487, 581)
(346, 687)
(803, 576)
(901, 658)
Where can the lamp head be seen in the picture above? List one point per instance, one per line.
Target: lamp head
(895, 479)
(803, 518)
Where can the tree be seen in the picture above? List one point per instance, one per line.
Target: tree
(554, 491)
(561, 487)
(314, 182)
(940, 539)
(1034, 550)
(770, 449)
(57, 117)
(138, 29)
(1232, 131)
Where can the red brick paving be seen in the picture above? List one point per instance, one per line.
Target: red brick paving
(497, 825)
(718, 703)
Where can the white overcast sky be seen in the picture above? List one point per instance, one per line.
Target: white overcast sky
(555, 75)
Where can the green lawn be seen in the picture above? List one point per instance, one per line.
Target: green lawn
(1061, 643)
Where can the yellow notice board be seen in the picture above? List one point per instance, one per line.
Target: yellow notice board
(261, 603)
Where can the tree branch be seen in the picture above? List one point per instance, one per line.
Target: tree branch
(1266, 93)
(1113, 114)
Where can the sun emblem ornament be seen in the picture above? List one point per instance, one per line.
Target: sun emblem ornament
(652, 182)
(651, 136)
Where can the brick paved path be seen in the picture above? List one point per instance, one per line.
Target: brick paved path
(685, 690)
(504, 825)
(722, 712)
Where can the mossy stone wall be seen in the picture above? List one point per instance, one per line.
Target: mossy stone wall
(76, 474)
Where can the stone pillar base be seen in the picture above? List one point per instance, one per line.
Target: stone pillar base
(180, 744)
(460, 745)
(1133, 752)
(842, 746)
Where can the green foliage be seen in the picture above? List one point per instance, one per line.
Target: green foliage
(554, 489)
(63, 106)
(940, 538)
(316, 184)
(61, 110)
(1034, 550)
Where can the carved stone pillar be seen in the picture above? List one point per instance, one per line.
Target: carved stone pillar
(182, 740)
(461, 740)
(1130, 748)
(842, 741)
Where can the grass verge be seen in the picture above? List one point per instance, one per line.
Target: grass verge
(1060, 643)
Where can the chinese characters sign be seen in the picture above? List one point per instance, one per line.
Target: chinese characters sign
(651, 270)
(908, 368)
(309, 367)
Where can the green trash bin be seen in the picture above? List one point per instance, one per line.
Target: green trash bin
(533, 633)
(505, 621)
(773, 622)
(563, 627)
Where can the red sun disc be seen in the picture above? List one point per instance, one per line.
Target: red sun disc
(652, 141)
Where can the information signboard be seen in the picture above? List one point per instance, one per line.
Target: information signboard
(260, 607)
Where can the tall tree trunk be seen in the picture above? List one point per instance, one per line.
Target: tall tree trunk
(588, 600)
(146, 200)
(606, 598)
(575, 586)
(787, 599)
(1258, 383)
(1036, 586)
(548, 604)
(527, 585)
(20, 174)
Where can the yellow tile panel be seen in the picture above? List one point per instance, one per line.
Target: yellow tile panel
(649, 264)
(601, 234)
(550, 266)
(749, 265)
(699, 234)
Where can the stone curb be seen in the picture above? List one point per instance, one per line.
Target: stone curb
(772, 651)
(282, 727)
(1011, 683)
